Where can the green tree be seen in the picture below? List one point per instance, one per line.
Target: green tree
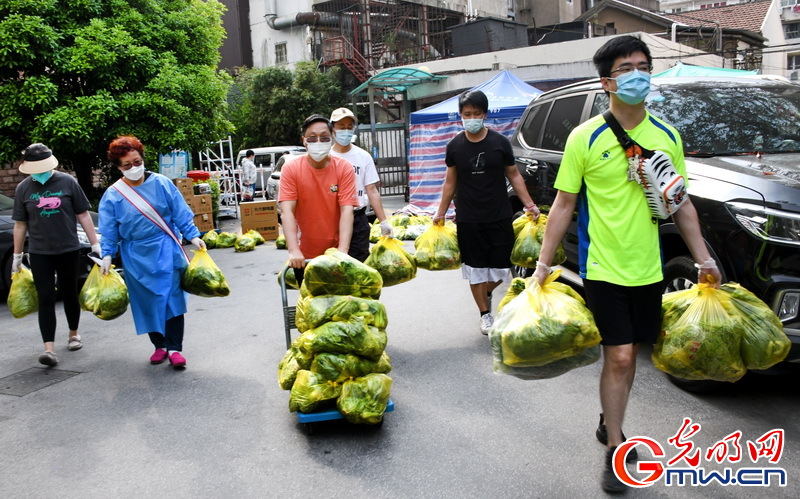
(268, 105)
(74, 74)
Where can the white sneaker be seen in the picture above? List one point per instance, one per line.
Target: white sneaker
(487, 321)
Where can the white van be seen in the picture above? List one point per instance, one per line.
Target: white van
(265, 160)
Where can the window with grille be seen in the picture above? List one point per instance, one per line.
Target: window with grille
(791, 30)
(280, 53)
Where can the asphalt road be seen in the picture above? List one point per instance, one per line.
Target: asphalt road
(221, 428)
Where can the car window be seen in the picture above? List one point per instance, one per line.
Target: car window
(532, 128)
(6, 203)
(729, 117)
(599, 104)
(564, 117)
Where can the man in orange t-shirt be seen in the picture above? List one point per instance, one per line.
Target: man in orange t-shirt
(317, 196)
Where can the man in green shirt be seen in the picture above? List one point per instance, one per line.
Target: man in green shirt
(619, 251)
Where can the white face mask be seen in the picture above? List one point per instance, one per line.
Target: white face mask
(344, 137)
(134, 173)
(318, 150)
(472, 125)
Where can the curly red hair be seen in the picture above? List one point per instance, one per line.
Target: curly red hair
(122, 145)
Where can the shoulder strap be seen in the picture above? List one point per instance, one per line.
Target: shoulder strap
(624, 139)
(146, 209)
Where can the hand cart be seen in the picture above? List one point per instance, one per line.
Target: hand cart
(307, 420)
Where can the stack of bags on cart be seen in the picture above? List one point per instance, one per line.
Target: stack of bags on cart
(339, 360)
(243, 242)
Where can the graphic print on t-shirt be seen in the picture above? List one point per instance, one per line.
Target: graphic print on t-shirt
(478, 164)
(48, 201)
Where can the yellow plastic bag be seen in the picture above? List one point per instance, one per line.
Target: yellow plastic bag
(699, 339)
(437, 249)
(106, 296)
(392, 261)
(22, 297)
(764, 343)
(203, 278)
(544, 324)
(516, 287)
(528, 237)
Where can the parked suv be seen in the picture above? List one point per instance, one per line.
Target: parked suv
(741, 138)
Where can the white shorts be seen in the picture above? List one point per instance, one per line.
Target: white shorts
(479, 275)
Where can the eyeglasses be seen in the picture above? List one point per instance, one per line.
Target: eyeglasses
(136, 162)
(321, 138)
(627, 68)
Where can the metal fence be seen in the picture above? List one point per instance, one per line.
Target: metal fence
(389, 149)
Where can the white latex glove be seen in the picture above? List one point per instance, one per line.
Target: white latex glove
(96, 249)
(386, 229)
(533, 210)
(16, 262)
(709, 273)
(199, 243)
(106, 265)
(541, 273)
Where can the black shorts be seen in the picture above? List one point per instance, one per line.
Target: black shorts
(625, 314)
(486, 244)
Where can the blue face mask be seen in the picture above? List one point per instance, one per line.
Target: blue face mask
(473, 125)
(344, 137)
(42, 177)
(633, 87)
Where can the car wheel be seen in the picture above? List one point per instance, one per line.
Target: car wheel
(679, 274)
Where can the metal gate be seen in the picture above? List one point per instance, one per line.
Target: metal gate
(389, 149)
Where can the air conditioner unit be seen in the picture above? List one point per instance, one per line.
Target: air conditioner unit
(793, 75)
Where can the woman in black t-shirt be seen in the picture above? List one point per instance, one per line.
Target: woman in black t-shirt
(47, 207)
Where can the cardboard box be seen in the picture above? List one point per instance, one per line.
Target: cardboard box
(185, 185)
(259, 211)
(268, 230)
(201, 204)
(204, 222)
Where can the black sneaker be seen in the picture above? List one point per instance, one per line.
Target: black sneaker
(610, 482)
(602, 437)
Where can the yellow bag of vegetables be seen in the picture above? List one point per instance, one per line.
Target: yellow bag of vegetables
(392, 261)
(106, 296)
(699, 339)
(437, 248)
(22, 297)
(203, 278)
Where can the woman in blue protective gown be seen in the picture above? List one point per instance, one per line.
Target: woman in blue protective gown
(145, 216)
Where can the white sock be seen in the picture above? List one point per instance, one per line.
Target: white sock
(171, 352)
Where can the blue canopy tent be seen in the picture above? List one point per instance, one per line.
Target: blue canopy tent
(432, 128)
(681, 69)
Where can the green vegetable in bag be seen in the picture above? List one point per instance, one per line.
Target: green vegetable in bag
(704, 342)
(437, 249)
(106, 296)
(516, 287)
(210, 238)
(203, 278)
(243, 243)
(226, 239)
(375, 232)
(340, 367)
(256, 235)
(764, 342)
(310, 391)
(337, 273)
(291, 279)
(292, 362)
(526, 248)
(364, 400)
(392, 261)
(280, 242)
(543, 325)
(22, 297)
(314, 311)
(353, 336)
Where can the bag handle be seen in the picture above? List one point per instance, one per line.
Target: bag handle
(624, 139)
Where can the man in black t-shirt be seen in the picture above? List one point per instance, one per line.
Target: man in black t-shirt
(478, 163)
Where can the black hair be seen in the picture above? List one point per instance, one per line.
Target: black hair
(620, 46)
(249, 153)
(474, 98)
(315, 118)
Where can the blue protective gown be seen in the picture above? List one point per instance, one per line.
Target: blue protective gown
(152, 260)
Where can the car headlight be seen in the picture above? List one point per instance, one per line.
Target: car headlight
(788, 305)
(767, 223)
(83, 238)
